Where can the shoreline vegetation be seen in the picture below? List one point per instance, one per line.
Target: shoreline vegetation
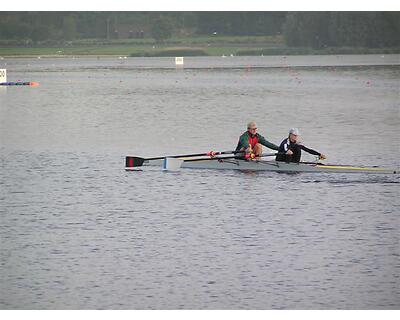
(194, 46)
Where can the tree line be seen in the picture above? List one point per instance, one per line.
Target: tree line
(299, 29)
(344, 29)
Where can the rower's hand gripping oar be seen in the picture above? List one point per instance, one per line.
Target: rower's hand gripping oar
(133, 161)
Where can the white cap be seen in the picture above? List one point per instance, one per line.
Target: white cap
(251, 125)
(294, 131)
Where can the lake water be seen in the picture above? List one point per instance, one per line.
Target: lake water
(78, 232)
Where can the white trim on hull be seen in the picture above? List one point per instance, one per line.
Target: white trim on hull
(236, 164)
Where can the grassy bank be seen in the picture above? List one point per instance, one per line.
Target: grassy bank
(174, 41)
(197, 46)
(310, 51)
(187, 51)
(133, 51)
(210, 45)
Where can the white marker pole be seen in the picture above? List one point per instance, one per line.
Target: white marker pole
(3, 75)
(179, 61)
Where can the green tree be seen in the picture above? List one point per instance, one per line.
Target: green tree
(352, 29)
(307, 29)
(161, 29)
(40, 33)
(69, 27)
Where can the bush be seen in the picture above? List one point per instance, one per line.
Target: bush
(179, 52)
(285, 51)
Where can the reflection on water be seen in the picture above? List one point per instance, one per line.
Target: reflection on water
(77, 231)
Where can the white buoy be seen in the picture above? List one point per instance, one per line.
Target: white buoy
(179, 61)
(3, 75)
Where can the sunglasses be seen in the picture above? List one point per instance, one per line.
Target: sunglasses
(252, 128)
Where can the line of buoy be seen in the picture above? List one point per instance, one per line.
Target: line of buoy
(30, 83)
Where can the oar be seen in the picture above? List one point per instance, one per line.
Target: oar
(133, 161)
(236, 157)
(173, 164)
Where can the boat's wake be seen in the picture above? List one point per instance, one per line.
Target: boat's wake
(361, 180)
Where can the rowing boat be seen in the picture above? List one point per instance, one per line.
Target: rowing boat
(265, 165)
(30, 83)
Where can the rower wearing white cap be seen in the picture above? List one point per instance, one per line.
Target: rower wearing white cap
(290, 148)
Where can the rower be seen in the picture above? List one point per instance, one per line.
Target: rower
(290, 148)
(251, 142)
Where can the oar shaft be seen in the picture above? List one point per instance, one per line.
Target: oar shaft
(233, 157)
(194, 155)
(132, 161)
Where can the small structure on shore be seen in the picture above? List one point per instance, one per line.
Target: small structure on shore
(3, 75)
(179, 61)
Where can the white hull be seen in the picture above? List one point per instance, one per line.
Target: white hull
(236, 164)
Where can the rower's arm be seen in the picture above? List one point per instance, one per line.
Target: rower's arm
(243, 142)
(268, 144)
(316, 153)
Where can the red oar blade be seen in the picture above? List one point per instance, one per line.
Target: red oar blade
(131, 162)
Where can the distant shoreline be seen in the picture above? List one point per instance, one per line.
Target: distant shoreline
(246, 64)
(200, 46)
(122, 57)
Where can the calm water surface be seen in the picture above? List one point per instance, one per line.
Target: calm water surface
(77, 231)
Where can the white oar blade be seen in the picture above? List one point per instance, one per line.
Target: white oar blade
(172, 164)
